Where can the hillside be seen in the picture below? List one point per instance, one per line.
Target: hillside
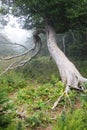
(31, 92)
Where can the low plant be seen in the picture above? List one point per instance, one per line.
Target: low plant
(76, 120)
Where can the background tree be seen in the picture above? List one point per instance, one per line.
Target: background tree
(50, 18)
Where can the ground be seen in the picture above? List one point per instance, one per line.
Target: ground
(32, 91)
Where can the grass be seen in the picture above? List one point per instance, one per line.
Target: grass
(32, 90)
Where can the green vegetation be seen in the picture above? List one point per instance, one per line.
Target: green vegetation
(73, 13)
(76, 120)
(28, 94)
(32, 90)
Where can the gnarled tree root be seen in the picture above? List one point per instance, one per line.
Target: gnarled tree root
(65, 93)
(60, 97)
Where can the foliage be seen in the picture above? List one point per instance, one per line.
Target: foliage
(37, 119)
(77, 49)
(8, 84)
(33, 90)
(73, 12)
(76, 120)
(5, 119)
(33, 96)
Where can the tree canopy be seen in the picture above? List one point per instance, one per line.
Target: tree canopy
(62, 14)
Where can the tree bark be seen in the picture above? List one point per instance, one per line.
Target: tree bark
(68, 72)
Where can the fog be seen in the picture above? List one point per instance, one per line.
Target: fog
(12, 32)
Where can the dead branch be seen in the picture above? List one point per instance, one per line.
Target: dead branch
(23, 62)
(28, 53)
(8, 42)
(12, 57)
(19, 45)
(36, 38)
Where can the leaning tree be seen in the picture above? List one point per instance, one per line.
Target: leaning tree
(51, 17)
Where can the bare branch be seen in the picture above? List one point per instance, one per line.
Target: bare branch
(28, 53)
(11, 57)
(19, 45)
(7, 68)
(7, 41)
(23, 62)
(14, 44)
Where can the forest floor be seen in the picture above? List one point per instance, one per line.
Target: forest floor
(32, 91)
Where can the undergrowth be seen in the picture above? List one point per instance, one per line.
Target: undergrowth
(75, 120)
(28, 94)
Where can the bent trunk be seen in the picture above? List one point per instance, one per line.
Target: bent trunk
(68, 72)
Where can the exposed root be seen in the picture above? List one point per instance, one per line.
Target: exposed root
(69, 99)
(65, 93)
(58, 100)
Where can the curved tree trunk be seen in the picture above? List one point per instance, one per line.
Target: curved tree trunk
(68, 72)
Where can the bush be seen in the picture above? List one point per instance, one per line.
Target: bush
(76, 120)
(4, 118)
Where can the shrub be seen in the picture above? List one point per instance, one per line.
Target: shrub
(76, 120)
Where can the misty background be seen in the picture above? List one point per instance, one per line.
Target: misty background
(73, 44)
